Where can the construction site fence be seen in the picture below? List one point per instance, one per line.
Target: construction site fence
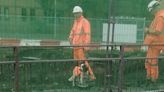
(119, 70)
(58, 28)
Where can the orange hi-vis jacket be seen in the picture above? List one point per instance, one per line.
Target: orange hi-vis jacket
(158, 26)
(80, 33)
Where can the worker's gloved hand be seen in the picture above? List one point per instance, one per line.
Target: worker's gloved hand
(70, 40)
(146, 31)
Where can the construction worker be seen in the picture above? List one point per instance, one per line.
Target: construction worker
(80, 35)
(154, 35)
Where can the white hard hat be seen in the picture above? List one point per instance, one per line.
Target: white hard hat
(152, 5)
(77, 9)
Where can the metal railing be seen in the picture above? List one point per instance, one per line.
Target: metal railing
(46, 75)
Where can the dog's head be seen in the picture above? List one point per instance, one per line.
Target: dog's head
(83, 67)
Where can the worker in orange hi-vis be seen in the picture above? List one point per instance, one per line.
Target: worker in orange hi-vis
(80, 35)
(154, 35)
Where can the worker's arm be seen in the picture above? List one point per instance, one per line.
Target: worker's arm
(87, 33)
(71, 33)
(158, 27)
(70, 37)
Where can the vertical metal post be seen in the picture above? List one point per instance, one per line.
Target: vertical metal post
(55, 21)
(16, 69)
(113, 28)
(112, 18)
(15, 54)
(109, 53)
(121, 70)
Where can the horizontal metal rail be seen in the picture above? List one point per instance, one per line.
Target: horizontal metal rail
(72, 60)
(91, 45)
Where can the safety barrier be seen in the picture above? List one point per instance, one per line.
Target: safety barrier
(115, 69)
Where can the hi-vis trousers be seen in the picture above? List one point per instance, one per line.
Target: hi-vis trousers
(79, 54)
(153, 52)
(151, 63)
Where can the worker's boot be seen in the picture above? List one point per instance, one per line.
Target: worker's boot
(154, 84)
(148, 82)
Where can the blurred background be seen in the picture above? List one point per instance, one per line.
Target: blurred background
(47, 69)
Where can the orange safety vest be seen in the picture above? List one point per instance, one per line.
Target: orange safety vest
(158, 26)
(80, 33)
